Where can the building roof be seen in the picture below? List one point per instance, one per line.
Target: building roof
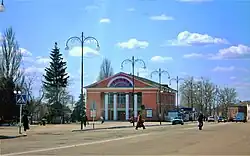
(153, 83)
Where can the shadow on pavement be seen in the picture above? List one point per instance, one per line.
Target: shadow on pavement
(11, 137)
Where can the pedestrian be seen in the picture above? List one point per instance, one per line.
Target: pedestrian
(200, 120)
(140, 121)
(25, 123)
(85, 119)
(102, 119)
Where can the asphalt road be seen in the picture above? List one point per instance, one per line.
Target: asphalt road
(214, 139)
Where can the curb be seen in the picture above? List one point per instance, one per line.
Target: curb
(119, 127)
(2, 137)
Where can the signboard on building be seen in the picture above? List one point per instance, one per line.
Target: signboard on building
(149, 113)
(93, 113)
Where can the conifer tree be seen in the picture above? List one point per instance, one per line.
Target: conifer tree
(55, 79)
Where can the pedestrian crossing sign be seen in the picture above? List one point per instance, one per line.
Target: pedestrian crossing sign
(21, 99)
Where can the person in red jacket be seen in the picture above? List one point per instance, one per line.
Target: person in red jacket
(140, 121)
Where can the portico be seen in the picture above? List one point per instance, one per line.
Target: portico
(113, 97)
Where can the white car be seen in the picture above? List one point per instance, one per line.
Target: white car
(210, 119)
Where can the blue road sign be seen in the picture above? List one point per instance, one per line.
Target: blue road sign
(21, 99)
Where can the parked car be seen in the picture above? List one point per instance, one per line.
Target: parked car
(210, 119)
(221, 119)
(177, 120)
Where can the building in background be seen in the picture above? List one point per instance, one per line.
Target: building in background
(112, 98)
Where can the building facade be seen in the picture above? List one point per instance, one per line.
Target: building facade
(112, 98)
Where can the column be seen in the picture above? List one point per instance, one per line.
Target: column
(135, 105)
(127, 106)
(115, 107)
(106, 105)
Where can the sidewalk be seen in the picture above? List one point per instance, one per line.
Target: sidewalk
(74, 127)
(116, 125)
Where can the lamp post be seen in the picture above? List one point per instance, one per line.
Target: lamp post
(133, 61)
(2, 8)
(177, 80)
(18, 92)
(82, 39)
(160, 72)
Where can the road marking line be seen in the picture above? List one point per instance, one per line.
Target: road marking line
(76, 145)
(96, 142)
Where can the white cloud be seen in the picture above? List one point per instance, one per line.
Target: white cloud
(25, 52)
(91, 7)
(234, 52)
(87, 52)
(131, 9)
(161, 59)
(229, 69)
(105, 20)
(132, 44)
(142, 72)
(186, 38)
(161, 17)
(33, 69)
(193, 55)
(195, 0)
(42, 60)
(232, 78)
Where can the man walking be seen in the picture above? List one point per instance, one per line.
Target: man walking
(140, 121)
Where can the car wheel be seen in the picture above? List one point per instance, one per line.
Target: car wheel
(182, 123)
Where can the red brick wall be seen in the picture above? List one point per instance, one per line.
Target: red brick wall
(97, 97)
(138, 83)
(149, 100)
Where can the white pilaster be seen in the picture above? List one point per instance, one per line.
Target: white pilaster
(135, 105)
(106, 104)
(127, 106)
(115, 106)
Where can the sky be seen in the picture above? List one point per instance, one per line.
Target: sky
(208, 38)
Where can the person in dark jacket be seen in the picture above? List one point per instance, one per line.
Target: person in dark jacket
(25, 123)
(200, 120)
(140, 121)
(85, 120)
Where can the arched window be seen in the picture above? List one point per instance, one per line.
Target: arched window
(120, 82)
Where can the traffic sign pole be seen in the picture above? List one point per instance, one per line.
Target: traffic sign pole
(20, 119)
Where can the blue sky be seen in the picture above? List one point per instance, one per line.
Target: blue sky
(208, 38)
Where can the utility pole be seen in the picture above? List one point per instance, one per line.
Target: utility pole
(160, 72)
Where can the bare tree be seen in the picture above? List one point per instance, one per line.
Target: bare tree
(11, 57)
(10, 73)
(187, 92)
(226, 96)
(106, 69)
(34, 104)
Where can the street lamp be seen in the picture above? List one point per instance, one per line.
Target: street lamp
(177, 80)
(133, 61)
(18, 92)
(160, 72)
(82, 40)
(2, 8)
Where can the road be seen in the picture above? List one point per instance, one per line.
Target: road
(214, 139)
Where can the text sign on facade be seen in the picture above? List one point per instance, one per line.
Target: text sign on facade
(149, 113)
(93, 113)
(93, 105)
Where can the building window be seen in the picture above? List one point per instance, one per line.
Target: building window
(121, 98)
(139, 99)
(110, 100)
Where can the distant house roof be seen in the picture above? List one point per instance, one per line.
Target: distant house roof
(153, 83)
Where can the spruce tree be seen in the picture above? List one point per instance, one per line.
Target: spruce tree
(55, 79)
